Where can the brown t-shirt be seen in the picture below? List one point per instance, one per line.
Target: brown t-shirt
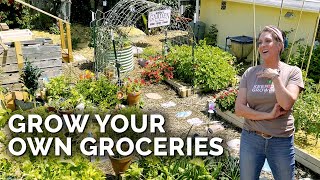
(261, 97)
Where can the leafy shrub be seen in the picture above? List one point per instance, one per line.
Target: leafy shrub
(212, 35)
(54, 29)
(30, 75)
(157, 70)
(307, 114)
(100, 92)
(58, 87)
(16, 15)
(301, 60)
(49, 168)
(211, 68)
(151, 167)
(225, 100)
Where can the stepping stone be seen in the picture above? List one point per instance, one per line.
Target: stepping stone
(168, 104)
(153, 96)
(214, 128)
(183, 114)
(195, 121)
(234, 144)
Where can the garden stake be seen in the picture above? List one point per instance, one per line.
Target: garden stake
(305, 50)
(94, 40)
(312, 45)
(193, 46)
(165, 45)
(115, 56)
(295, 33)
(280, 14)
(254, 35)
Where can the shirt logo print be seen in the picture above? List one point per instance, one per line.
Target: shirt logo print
(267, 88)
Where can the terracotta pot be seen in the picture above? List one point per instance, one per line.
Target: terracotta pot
(51, 109)
(120, 165)
(133, 98)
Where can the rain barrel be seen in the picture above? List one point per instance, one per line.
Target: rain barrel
(241, 46)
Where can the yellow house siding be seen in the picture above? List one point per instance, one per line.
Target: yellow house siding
(237, 19)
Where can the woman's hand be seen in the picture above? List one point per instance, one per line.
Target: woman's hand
(277, 111)
(268, 73)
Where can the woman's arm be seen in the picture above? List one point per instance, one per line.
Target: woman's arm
(241, 109)
(286, 96)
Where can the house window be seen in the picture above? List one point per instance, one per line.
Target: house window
(223, 5)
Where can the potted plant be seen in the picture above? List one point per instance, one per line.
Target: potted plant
(67, 106)
(133, 90)
(121, 163)
(29, 77)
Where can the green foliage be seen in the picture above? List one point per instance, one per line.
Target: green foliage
(225, 100)
(211, 68)
(58, 87)
(30, 76)
(49, 168)
(54, 29)
(184, 168)
(149, 52)
(16, 15)
(300, 59)
(307, 113)
(212, 35)
(99, 92)
(4, 116)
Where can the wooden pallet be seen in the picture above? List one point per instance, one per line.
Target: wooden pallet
(16, 35)
(302, 157)
(47, 57)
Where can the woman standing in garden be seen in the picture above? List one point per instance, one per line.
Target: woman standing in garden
(266, 96)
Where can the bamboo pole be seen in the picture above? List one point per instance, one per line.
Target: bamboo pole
(37, 9)
(314, 38)
(295, 33)
(254, 61)
(280, 13)
(305, 50)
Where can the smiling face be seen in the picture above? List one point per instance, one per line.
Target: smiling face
(268, 47)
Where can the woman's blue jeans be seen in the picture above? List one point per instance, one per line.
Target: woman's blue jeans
(279, 152)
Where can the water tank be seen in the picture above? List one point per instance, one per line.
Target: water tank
(241, 46)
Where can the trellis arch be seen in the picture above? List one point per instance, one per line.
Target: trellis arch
(121, 19)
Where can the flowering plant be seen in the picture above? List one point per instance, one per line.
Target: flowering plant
(133, 86)
(87, 75)
(225, 100)
(157, 70)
